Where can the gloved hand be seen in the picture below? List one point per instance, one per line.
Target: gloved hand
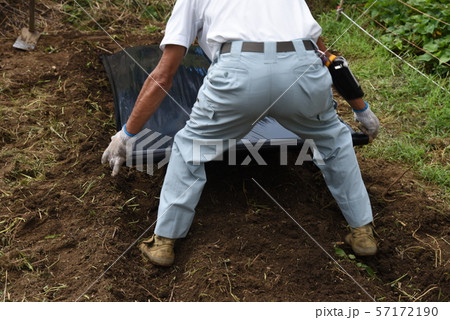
(116, 152)
(369, 123)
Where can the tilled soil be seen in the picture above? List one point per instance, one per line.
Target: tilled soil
(69, 230)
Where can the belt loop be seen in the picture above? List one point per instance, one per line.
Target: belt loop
(236, 49)
(314, 45)
(299, 47)
(270, 52)
(216, 57)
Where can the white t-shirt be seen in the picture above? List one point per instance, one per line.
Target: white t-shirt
(214, 22)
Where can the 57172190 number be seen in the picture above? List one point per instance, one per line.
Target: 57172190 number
(407, 311)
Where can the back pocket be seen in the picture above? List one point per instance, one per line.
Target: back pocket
(313, 85)
(227, 79)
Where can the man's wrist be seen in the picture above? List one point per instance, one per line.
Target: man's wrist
(358, 105)
(124, 129)
(366, 106)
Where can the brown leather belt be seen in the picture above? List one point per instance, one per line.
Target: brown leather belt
(285, 46)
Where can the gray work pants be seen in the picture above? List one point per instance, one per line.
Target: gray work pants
(239, 87)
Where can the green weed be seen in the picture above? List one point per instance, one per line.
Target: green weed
(414, 113)
(405, 23)
(350, 257)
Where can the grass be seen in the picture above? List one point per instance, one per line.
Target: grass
(118, 13)
(414, 112)
(34, 150)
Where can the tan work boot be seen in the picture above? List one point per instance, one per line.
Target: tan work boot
(158, 250)
(362, 241)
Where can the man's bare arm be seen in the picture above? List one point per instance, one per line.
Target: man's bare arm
(155, 87)
(322, 47)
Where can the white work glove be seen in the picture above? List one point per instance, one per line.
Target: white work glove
(369, 123)
(116, 152)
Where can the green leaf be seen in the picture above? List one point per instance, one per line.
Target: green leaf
(445, 56)
(425, 57)
(431, 47)
(341, 253)
(398, 44)
(368, 269)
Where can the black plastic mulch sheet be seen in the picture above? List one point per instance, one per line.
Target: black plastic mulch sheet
(127, 72)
